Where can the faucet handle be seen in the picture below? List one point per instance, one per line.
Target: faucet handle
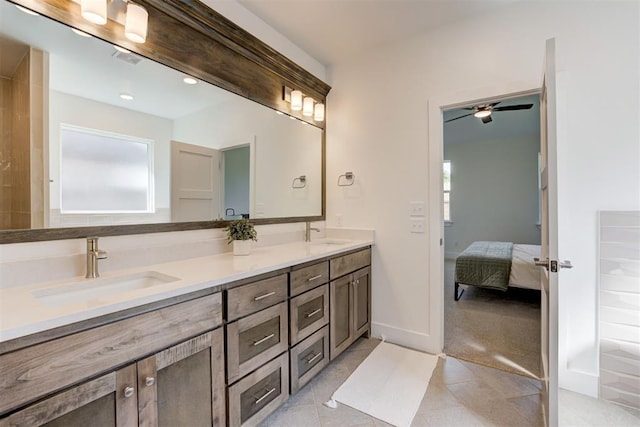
(101, 254)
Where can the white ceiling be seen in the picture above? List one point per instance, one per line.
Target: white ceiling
(334, 30)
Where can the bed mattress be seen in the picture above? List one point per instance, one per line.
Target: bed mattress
(524, 273)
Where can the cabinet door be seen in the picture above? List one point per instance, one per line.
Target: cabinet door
(109, 400)
(361, 301)
(341, 296)
(184, 384)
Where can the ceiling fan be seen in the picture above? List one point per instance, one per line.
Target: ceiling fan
(484, 111)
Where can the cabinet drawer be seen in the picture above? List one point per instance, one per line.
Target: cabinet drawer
(349, 263)
(308, 358)
(35, 371)
(309, 312)
(248, 299)
(255, 339)
(253, 398)
(309, 277)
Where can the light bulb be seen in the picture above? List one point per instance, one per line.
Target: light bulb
(318, 112)
(135, 27)
(307, 106)
(296, 100)
(94, 11)
(482, 113)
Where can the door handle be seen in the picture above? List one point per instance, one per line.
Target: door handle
(565, 264)
(541, 263)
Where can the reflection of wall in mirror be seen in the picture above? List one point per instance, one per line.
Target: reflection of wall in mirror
(70, 109)
(23, 194)
(285, 149)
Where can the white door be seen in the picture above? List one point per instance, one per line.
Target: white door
(195, 182)
(549, 220)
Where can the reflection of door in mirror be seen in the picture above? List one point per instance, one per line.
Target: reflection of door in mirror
(236, 166)
(195, 179)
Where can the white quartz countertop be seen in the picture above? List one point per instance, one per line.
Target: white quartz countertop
(23, 311)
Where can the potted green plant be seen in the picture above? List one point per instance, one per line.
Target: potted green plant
(241, 232)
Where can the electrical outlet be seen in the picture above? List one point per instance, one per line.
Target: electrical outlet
(416, 208)
(416, 226)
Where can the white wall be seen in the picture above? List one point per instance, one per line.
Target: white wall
(377, 127)
(494, 192)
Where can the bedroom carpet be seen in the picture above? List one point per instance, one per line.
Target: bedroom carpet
(493, 328)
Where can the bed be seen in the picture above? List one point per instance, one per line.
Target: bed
(497, 265)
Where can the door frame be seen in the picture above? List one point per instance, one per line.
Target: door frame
(436, 106)
(251, 143)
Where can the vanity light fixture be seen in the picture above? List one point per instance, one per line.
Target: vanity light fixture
(296, 100)
(126, 96)
(190, 80)
(135, 27)
(318, 112)
(27, 11)
(94, 11)
(136, 17)
(307, 106)
(81, 33)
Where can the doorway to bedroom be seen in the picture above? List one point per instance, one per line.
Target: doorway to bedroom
(491, 194)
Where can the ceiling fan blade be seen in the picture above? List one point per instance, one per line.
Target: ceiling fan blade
(486, 120)
(456, 118)
(514, 107)
(484, 106)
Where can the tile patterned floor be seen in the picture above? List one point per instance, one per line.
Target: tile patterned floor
(460, 394)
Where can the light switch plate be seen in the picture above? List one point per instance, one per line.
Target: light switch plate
(416, 208)
(416, 225)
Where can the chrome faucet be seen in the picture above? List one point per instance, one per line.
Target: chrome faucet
(307, 231)
(93, 255)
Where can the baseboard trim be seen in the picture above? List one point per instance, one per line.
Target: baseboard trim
(579, 382)
(404, 337)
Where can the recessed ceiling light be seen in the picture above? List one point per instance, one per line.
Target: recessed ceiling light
(280, 113)
(126, 96)
(292, 118)
(121, 49)
(190, 80)
(27, 11)
(80, 33)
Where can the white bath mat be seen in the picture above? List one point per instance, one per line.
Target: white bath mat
(389, 384)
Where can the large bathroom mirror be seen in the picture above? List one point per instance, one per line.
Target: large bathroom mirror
(95, 135)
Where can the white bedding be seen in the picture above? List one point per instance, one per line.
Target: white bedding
(524, 273)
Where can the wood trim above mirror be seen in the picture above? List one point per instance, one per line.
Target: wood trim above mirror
(190, 37)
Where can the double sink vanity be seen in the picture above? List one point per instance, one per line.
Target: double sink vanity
(216, 340)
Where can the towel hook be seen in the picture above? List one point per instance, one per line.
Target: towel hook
(348, 180)
(301, 182)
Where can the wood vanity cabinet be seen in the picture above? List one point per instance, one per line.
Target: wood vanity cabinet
(154, 372)
(350, 299)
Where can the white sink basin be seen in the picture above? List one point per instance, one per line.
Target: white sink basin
(93, 291)
(328, 242)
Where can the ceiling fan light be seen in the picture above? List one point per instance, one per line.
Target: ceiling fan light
(135, 27)
(482, 113)
(94, 11)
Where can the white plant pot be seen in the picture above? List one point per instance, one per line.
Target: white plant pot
(241, 247)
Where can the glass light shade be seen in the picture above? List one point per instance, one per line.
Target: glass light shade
(94, 11)
(135, 27)
(296, 100)
(318, 112)
(482, 113)
(307, 106)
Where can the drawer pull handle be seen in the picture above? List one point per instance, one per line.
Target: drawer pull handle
(310, 361)
(311, 279)
(265, 396)
(268, 337)
(264, 296)
(313, 313)
(149, 381)
(128, 391)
